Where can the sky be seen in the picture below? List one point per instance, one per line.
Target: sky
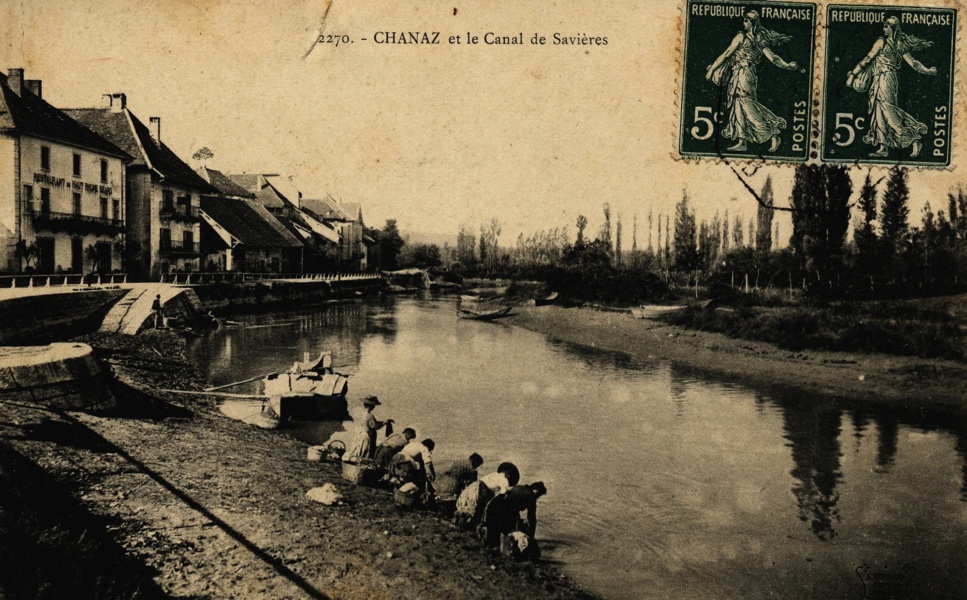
(434, 136)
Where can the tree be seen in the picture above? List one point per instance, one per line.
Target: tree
(582, 222)
(390, 244)
(203, 155)
(605, 234)
(27, 253)
(895, 213)
(763, 230)
(686, 253)
(864, 234)
(820, 218)
(617, 242)
(489, 233)
(426, 256)
(465, 253)
(895, 228)
(738, 239)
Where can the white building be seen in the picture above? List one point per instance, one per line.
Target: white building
(62, 187)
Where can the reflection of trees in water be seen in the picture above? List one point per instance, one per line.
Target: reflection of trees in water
(888, 429)
(813, 434)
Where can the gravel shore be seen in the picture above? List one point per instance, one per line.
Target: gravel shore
(189, 503)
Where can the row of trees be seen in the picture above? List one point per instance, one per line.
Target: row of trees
(884, 256)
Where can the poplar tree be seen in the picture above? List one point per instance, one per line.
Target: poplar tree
(763, 231)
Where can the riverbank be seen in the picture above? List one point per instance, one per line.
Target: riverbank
(167, 497)
(873, 377)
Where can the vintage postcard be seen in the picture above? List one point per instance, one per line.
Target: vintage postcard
(493, 300)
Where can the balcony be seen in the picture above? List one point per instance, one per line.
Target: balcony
(179, 212)
(74, 222)
(179, 248)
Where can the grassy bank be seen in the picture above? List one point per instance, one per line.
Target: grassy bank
(925, 329)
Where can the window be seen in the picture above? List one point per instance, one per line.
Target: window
(116, 210)
(167, 200)
(45, 200)
(188, 238)
(77, 203)
(165, 239)
(45, 158)
(104, 208)
(103, 171)
(28, 198)
(77, 165)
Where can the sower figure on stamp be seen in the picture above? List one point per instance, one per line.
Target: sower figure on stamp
(735, 71)
(877, 72)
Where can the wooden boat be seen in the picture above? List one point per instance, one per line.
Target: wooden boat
(309, 390)
(651, 311)
(487, 315)
(549, 299)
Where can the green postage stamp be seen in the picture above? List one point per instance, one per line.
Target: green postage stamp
(889, 84)
(747, 80)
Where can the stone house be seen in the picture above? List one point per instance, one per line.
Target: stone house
(163, 192)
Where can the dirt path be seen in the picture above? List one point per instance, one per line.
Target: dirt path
(873, 377)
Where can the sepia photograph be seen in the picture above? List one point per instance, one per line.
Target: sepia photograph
(491, 300)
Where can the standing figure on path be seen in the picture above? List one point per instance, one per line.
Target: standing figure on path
(890, 127)
(364, 441)
(735, 71)
(157, 312)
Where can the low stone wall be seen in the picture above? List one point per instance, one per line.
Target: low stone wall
(59, 377)
(272, 294)
(41, 318)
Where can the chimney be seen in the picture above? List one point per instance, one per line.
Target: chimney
(36, 87)
(15, 79)
(116, 102)
(155, 128)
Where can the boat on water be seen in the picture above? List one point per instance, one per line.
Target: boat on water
(309, 390)
(485, 315)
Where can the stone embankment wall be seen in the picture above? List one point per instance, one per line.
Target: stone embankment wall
(41, 318)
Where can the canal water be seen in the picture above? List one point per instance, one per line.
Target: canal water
(661, 483)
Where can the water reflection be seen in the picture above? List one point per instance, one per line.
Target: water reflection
(663, 482)
(813, 435)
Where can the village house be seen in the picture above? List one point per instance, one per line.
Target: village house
(347, 219)
(62, 195)
(163, 192)
(241, 235)
(321, 241)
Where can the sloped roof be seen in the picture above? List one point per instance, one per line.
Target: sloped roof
(319, 228)
(266, 195)
(223, 184)
(249, 181)
(127, 131)
(32, 115)
(249, 222)
(325, 208)
(353, 211)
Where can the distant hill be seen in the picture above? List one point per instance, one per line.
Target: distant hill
(414, 238)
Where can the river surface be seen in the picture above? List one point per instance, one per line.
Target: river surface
(661, 483)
